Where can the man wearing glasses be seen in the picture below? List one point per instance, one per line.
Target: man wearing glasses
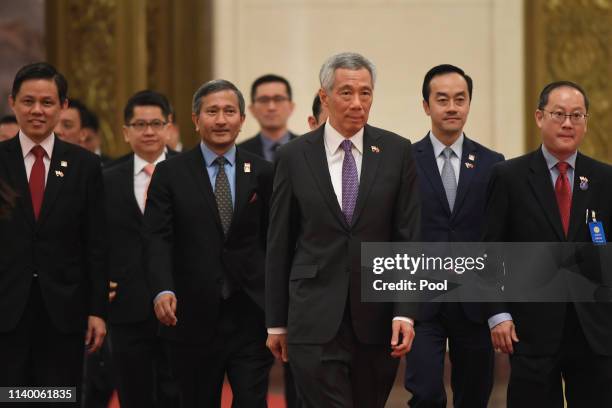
(543, 197)
(271, 105)
(142, 370)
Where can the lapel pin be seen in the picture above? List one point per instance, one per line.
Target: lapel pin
(59, 173)
(469, 165)
(471, 157)
(64, 163)
(375, 149)
(584, 183)
(247, 167)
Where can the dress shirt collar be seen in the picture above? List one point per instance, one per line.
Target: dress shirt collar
(438, 146)
(27, 144)
(333, 139)
(210, 156)
(551, 161)
(140, 163)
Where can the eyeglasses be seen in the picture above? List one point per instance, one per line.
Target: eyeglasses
(577, 118)
(141, 125)
(265, 100)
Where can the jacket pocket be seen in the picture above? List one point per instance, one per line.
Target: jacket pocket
(303, 272)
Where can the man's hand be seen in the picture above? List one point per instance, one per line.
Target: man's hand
(277, 343)
(406, 331)
(112, 290)
(165, 309)
(96, 331)
(502, 337)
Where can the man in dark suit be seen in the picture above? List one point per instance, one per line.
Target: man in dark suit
(139, 359)
(271, 105)
(453, 173)
(53, 261)
(205, 223)
(542, 197)
(334, 188)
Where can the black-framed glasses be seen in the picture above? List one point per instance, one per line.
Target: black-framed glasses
(265, 100)
(141, 125)
(577, 118)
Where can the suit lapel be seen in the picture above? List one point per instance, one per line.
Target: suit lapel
(317, 161)
(540, 182)
(127, 177)
(243, 186)
(369, 166)
(466, 175)
(426, 157)
(16, 172)
(55, 177)
(579, 197)
(197, 167)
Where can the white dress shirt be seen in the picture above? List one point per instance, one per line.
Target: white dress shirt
(455, 159)
(28, 157)
(142, 179)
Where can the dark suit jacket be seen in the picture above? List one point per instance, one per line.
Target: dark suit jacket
(314, 261)
(66, 246)
(255, 146)
(186, 250)
(465, 223)
(133, 302)
(521, 207)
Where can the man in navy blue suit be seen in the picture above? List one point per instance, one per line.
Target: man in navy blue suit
(453, 172)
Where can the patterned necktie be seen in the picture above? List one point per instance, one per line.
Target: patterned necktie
(223, 194)
(149, 168)
(449, 181)
(350, 182)
(564, 194)
(37, 179)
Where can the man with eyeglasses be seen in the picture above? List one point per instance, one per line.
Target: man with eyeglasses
(143, 377)
(271, 105)
(543, 196)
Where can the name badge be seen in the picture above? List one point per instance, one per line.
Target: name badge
(598, 236)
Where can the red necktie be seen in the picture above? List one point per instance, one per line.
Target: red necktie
(37, 179)
(149, 168)
(564, 194)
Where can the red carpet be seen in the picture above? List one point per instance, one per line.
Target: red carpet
(274, 400)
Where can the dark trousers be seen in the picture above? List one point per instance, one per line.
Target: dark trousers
(471, 357)
(98, 376)
(143, 374)
(535, 381)
(291, 396)
(238, 350)
(37, 354)
(343, 373)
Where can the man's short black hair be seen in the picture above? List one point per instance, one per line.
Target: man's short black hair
(89, 120)
(40, 70)
(8, 119)
(441, 70)
(316, 107)
(269, 78)
(543, 101)
(80, 108)
(146, 98)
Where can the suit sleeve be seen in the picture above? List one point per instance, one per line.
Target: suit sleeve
(281, 244)
(495, 229)
(407, 218)
(158, 231)
(97, 248)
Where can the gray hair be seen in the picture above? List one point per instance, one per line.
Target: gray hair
(214, 86)
(346, 60)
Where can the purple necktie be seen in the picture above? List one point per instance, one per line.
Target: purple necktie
(350, 182)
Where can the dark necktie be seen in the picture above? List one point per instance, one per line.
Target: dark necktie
(350, 182)
(37, 180)
(564, 194)
(273, 149)
(223, 195)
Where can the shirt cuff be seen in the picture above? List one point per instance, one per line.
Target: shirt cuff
(163, 292)
(498, 318)
(404, 319)
(277, 330)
